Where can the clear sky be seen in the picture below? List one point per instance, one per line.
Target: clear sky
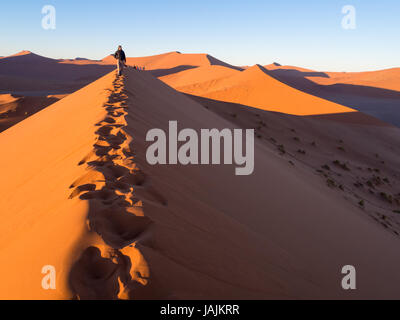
(305, 33)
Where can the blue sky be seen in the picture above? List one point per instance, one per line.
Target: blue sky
(305, 33)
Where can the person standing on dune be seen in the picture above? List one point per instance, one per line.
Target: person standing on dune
(121, 59)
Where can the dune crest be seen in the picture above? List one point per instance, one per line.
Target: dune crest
(172, 60)
(115, 212)
(198, 75)
(255, 88)
(7, 98)
(376, 93)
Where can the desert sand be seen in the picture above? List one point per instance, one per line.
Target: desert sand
(14, 109)
(79, 195)
(35, 82)
(384, 79)
(115, 227)
(28, 74)
(197, 76)
(375, 93)
(172, 62)
(254, 87)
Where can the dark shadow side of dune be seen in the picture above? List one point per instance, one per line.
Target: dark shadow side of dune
(215, 61)
(33, 73)
(355, 117)
(377, 102)
(165, 72)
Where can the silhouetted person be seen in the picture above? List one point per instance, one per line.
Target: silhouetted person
(121, 59)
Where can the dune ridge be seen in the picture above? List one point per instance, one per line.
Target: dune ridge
(375, 93)
(255, 88)
(384, 79)
(112, 269)
(198, 75)
(172, 60)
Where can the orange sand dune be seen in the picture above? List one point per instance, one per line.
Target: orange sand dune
(81, 197)
(198, 75)
(5, 99)
(142, 61)
(172, 60)
(385, 79)
(253, 87)
(275, 66)
(15, 109)
(41, 226)
(376, 93)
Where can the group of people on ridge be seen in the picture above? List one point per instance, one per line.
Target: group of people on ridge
(121, 61)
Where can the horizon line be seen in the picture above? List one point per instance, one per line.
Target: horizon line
(204, 53)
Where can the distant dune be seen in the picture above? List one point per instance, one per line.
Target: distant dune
(172, 60)
(199, 75)
(254, 87)
(385, 79)
(376, 93)
(373, 93)
(36, 82)
(26, 73)
(15, 109)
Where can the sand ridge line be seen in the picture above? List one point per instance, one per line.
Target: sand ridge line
(113, 269)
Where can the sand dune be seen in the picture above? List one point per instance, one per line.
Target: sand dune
(254, 87)
(172, 60)
(384, 79)
(198, 75)
(375, 93)
(80, 195)
(142, 61)
(27, 73)
(5, 99)
(40, 225)
(116, 227)
(14, 109)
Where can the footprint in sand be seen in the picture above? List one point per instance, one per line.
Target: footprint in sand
(115, 189)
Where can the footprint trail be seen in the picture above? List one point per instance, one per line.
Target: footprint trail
(114, 268)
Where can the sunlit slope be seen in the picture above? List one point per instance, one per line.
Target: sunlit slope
(39, 224)
(198, 75)
(254, 87)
